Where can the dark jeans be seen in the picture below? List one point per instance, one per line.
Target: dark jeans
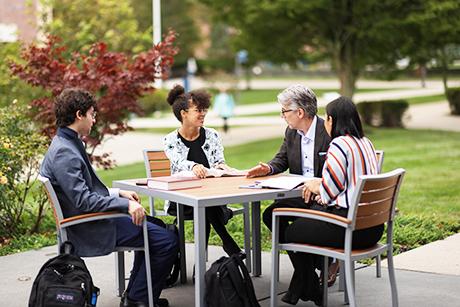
(163, 247)
(305, 281)
(267, 216)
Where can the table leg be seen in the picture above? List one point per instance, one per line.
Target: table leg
(256, 251)
(199, 225)
(180, 226)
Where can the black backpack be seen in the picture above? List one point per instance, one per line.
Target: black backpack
(228, 284)
(64, 281)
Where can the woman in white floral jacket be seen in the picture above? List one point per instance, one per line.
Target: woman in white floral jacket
(194, 148)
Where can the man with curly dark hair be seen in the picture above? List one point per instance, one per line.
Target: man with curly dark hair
(80, 191)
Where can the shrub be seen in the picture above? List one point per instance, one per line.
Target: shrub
(116, 79)
(453, 96)
(383, 113)
(155, 101)
(21, 148)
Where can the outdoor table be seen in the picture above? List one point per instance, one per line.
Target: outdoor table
(215, 192)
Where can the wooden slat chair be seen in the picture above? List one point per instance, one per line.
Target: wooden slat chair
(372, 204)
(378, 258)
(63, 223)
(157, 164)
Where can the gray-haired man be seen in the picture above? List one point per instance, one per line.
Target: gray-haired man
(305, 138)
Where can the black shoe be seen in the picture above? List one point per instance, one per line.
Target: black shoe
(126, 302)
(290, 298)
(162, 302)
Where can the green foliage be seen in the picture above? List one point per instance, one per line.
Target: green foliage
(82, 23)
(27, 242)
(453, 96)
(21, 147)
(353, 34)
(11, 87)
(414, 230)
(155, 101)
(383, 113)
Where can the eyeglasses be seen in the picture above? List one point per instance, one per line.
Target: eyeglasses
(201, 111)
(284, 111)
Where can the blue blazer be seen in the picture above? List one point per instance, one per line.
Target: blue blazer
(80, 191)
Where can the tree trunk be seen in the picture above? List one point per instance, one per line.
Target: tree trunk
(344, 58)
(444, 69)
(345, 54)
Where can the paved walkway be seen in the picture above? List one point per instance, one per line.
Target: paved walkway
(419, 282)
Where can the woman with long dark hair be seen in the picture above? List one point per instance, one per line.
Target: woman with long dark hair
(349, 156)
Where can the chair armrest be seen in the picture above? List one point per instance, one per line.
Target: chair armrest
(313, 214)
(90, 217)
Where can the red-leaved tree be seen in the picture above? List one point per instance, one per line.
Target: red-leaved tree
(116, 80)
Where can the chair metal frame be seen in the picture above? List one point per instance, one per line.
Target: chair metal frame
(157, 164)
(373, 203)
(63, 223)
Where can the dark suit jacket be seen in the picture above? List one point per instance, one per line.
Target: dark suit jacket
(80, 191)
(289, 155)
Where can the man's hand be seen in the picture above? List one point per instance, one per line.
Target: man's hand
(310, 189)
(199, 170)
(263, 169)
(137, 212)
(130, 195)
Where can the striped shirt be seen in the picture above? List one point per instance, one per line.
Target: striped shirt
(347, 158)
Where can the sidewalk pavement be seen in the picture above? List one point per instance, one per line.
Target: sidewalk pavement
(427, 276)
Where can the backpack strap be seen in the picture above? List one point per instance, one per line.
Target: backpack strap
(237, 279)
(249, 287)
(67, 248)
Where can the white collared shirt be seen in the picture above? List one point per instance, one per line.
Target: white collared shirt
(307, 148)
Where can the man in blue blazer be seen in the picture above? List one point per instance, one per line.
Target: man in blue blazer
(80, 191)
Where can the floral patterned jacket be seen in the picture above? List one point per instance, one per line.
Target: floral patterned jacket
(177, 152)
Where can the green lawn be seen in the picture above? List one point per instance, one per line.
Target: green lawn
(429, 203)
(429, 157)
(426, 99)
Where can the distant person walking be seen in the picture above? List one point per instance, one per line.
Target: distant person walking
(224, 104)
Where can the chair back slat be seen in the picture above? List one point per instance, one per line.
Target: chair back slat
(375, 207)
(156, 163)
(372, 195)
(380, 184)
(160, 173)
(363, 222)
(375, 201)
(159, 165)
(156, 155)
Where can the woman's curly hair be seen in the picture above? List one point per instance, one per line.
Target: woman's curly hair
(180, 100)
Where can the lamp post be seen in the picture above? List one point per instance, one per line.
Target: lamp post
(156, 22)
